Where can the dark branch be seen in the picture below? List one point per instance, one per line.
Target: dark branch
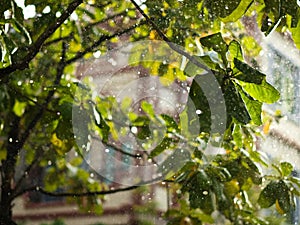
(89, 193)
(167, 40)
(115, 148)
(35, 48)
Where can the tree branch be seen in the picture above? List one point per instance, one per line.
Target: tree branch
(167, 40)
(89, 193)
(35, 48)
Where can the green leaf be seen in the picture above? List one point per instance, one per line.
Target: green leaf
(192, 70)
(237, 135)
(148, 108)
(286, 168)
(235, 50)
(163, 145)
(249, 75)
(238, 12)
(263, 92)
(268, 195)
(284, 199)
(64, 130)
(198, 122)
(254, 107)
(235, 104)
(216, 42)
(171, 124)
(19, 107)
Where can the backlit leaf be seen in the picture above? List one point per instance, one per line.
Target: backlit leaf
(263, 92)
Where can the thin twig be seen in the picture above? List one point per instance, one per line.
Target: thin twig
(89, 193)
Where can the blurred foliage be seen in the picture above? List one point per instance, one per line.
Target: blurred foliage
(42, 96)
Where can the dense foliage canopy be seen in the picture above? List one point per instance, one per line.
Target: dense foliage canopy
(203, 43)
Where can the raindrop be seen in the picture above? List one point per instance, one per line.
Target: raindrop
(134, 130)
(46, 10)
(74, 16)
(97, 54)
(58, 14)
(198, 111)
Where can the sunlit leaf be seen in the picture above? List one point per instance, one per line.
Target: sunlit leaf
(235, 50)
(162, 146)
(263, 92)
(19, 107)
(253, 106)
